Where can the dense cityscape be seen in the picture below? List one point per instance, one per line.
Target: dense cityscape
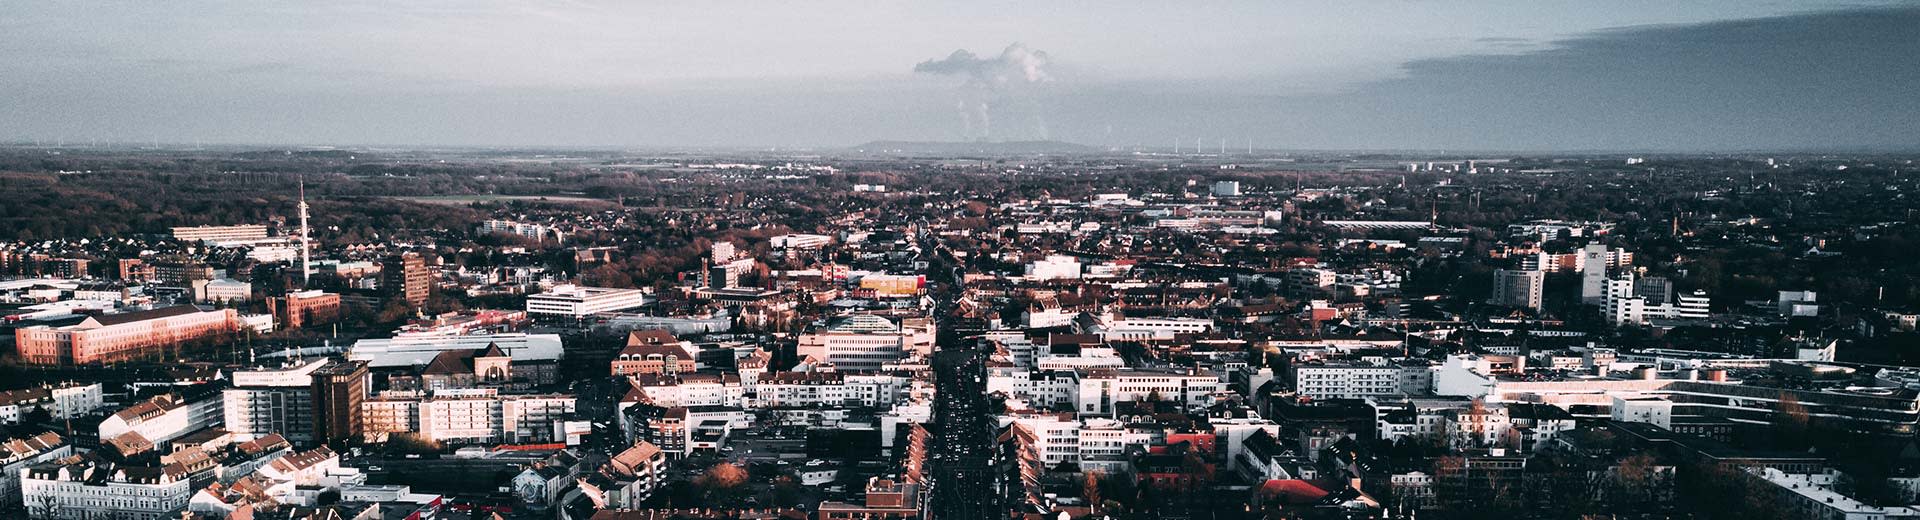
(941, 331)
(943, 260)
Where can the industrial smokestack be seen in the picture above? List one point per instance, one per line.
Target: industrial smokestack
(1002, 82)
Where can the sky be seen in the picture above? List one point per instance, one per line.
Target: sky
(1391, 75)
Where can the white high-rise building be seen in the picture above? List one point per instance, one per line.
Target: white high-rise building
(272, 400)
(1593, 274)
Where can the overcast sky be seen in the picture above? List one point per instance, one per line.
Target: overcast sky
(1520, 75)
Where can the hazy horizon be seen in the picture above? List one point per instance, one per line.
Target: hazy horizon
(1487, 76)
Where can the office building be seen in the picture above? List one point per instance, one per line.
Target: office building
(272, 400)
(339, 389)
(1654, 289)
(1513, 288)
(303, 308)
(222, 290)
(1226, 188)
(404, 276)
(1820, 495)
(522, 229)
(799, 242)
(215, 234)
(180, 271)
(127, 336)
(475, 416)
(576, 301)
(866, 342)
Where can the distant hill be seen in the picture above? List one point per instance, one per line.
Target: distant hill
(976, 148)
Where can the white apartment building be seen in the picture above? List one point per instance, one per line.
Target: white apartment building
(1307, 280)
(1088, 358)
(1012, 347)
(1047, 315)
(878, 389)
(19, 454)
(236, 233)
(809, 389)
(379, 417)
(693, 390)
(523, 229)
(1226, 188)
(1060, 438)
(1041, 389)
(1108, 439)
(1144, 329)
(798, 241)
(1346, 381)
(1100, 389)
(163, 418)
(468, 416)
(530, 418)
(66, 401)
(305, 468)
(576, 301)
(87, 487)
(1054, 267)
(866, 342)
(1054, 439)
(1648, 409)
(272, 400)
(226, 290)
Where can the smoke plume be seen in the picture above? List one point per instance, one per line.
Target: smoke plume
(1001, 85)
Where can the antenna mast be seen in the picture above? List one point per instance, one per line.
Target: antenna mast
(306, 240)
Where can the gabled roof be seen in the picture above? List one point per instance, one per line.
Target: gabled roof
(293, 462)
(450, 362)
(1296, 491)
(492, 350)
(628, 462)
(29, 446)
(651, 337)
(129, 444)
(24, 395)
